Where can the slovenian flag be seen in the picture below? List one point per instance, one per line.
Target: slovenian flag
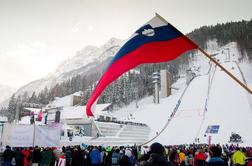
(156, 41)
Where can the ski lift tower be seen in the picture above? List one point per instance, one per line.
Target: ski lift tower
(156, 81)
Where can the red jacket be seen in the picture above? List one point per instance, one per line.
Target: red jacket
(199, 158)
(249, 163)
(26, 154)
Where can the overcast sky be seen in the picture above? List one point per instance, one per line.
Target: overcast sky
(36, 35)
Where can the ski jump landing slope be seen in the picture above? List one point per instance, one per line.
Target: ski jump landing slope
(187, 121)
(229, 108)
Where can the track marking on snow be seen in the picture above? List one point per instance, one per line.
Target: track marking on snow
(210, 81)
(199, 111)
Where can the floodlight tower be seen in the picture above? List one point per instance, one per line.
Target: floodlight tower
(156, 81)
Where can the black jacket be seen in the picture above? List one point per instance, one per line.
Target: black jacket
(7, 155)
(125, 161)
(36, 156)
(156, 159)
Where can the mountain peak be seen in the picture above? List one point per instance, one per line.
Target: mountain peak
(89, 54)
(114, 40)
(87, 50)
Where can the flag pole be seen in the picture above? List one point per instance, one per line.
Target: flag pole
(215, 62)
(225, 70)
(33, 141)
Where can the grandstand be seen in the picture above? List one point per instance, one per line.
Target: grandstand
(121, 133)
(112, 133)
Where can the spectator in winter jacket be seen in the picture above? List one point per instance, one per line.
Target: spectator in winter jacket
(189, 160)
(157, 157)
(125, 161)
(249, 162)
(130, 154)
(174, 157)
(182, 158)
(68, 156)
(19, 157)
(26, 159)
(36, 156)
(115, 157)
(107, 157)
(46, 157)
(95, 157)
(85, 157)
(249, 157)
(200, 158)
(238, 158)
(7, 156)
(225, 158)
(215, 159)
(56, 155)
(76, 157)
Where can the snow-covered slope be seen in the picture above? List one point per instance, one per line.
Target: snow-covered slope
(88, 58)
(190, 114)
(212, 98)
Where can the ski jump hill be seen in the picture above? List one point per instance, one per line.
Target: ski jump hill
(211, 106)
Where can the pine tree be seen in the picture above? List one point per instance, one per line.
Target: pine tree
(12, 108)
(25, 97)
(33, 98)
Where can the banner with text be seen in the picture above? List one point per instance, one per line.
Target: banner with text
(47, 136)
(16, 135)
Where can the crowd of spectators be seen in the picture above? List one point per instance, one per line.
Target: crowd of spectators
(154, 155)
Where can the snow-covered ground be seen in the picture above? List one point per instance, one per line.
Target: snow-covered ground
(211, 98)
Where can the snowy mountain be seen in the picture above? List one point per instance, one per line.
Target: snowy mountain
(6, 92)
(212, 98)
(86, 61)
(89, 55)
